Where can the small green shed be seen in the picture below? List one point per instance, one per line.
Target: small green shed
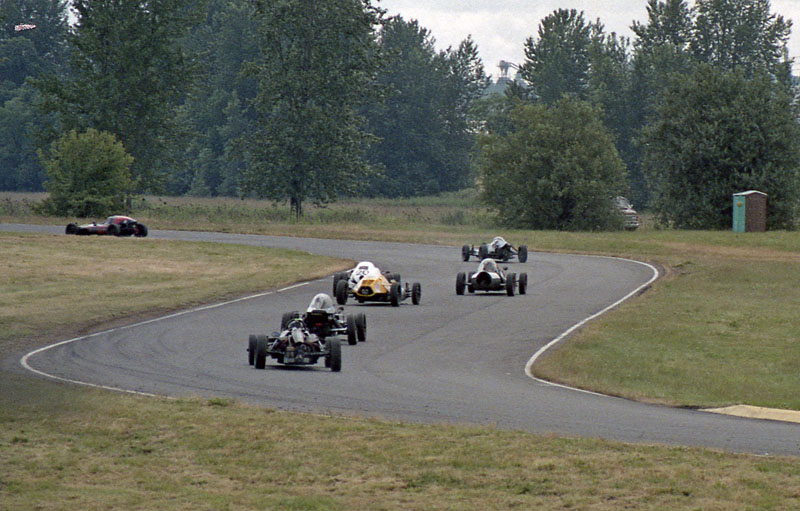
(750, 211)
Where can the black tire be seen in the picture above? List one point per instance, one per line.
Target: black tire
(334, 355)
(336, 278)
(511, 283)
(140, 231)
(483, 252)
(361, 327)
(286, 319)
(416, 293)
(461, 283)
(113, 229)
(261, 352)
(251, 350)
(395, 294)
(71, 229)
(523, 283)
(341, 292)
(465, 253)
(392, 277)
(522, 253)
(351, 330)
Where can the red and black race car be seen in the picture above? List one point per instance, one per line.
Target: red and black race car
(117, 225)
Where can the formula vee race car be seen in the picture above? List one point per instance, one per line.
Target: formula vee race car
(116, 225)
(491, 277)
(294, 345)
(498, 249)
(366, 283)
(324, 320)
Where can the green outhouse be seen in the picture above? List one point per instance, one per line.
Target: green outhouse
(750, 211)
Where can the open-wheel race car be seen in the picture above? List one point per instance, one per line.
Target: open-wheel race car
(490, 277)
(324, 320)
(294, 345)
(366, 283)
(498, 249)
(116, 225)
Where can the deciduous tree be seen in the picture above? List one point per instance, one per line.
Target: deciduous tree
(316, 71)
(556, 169)
(128, 75)
(717, 133)
(88, 174)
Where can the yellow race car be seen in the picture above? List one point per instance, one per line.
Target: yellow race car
(366, 283)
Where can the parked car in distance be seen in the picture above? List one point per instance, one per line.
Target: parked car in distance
(629, 215)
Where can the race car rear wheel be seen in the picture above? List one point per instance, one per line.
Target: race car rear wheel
(113, 229)
(483, 251)
(395, 294)
(465, 253)
(461, 283)
(261, 352)
(71, 229)
(351, 330)
(523, 283)
(522, 253)
(416, 293)
(251, 350)
(341, 292)
(334, 357)
(361, 327)
(511, 283)
(140, 231)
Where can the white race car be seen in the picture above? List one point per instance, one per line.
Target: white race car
(366, 283)
(490, 277)
(498, 249)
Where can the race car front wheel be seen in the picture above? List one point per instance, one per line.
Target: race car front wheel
(334, 357)
(361, 327)
(341, 292)
(261, 352)
(416, 293)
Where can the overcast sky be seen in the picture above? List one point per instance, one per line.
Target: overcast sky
(500, 27)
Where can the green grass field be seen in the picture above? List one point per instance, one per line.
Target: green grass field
(717, 329)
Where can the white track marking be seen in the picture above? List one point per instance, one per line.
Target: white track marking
(24, 361)
(543, 349)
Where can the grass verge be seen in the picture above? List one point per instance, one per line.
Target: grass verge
(215, 454)
(67, 284)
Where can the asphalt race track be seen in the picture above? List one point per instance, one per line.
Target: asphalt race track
(452, 359)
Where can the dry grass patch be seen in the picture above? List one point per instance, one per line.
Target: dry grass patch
(52, 283)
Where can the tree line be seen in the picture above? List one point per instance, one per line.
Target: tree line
(308, 101)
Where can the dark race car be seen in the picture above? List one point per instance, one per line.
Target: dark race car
(490, 277)
(294, 345)
(498, 249)
(323, 319)
(116, 225)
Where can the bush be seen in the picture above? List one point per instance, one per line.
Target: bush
(556, 168)
(88, 174)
